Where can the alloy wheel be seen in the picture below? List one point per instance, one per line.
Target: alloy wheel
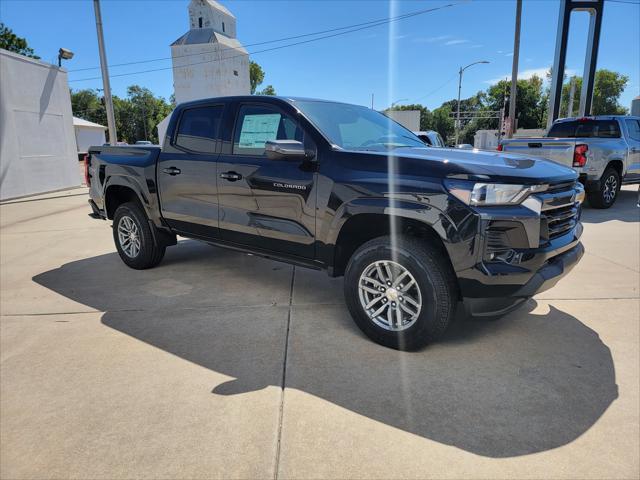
(129, 236)
(610, 188)
(390, 295)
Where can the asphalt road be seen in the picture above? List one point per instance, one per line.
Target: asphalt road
(219, 364)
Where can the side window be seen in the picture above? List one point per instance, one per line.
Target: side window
(634, 129)
(256, 125)
(198, 129)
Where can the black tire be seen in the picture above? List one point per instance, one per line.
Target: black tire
(432, 274)
(149, 254)
(607, 193)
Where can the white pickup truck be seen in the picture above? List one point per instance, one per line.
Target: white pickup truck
(604, 150)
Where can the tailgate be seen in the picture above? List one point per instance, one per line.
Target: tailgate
(559, 150)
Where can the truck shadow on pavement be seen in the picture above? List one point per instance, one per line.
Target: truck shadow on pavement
(523, 384)
(625, 209)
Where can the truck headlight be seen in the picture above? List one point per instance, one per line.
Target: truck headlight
(477, 193)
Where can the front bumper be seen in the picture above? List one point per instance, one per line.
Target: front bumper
(546, 277)
(520, 251)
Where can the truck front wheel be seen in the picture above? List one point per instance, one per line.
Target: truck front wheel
(401, 294)
(134, 239)
(605, 195)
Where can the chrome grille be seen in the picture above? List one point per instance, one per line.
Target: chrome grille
(560, 211)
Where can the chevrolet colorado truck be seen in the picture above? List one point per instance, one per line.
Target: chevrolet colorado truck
(604, 150)
(415, 231)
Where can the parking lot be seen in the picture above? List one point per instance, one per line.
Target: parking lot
(221, 364)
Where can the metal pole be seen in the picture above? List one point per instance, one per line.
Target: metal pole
(144, 120)
(514, 71)
(458, 115)
(108, 102)
(372, 101)
(572, 93)
(593, 41)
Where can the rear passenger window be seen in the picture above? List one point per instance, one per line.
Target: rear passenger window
(598, 129)
(258, 124)
(198, 129)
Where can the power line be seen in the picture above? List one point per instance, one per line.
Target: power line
(436, 89)
(628, 2)
(382, 22)
(372, 23)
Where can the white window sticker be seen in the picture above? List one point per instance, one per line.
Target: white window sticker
(257, 129)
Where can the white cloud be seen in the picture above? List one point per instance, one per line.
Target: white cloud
(527, 74)
(510, 54)
(432, 39)
(457, 41)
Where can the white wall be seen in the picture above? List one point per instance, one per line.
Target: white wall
(488, 139)
(88, 137)
(213, 16)
(37, 143)
(207, 70)
(407, 118)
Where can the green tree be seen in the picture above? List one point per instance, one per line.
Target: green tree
(268, 90)
(87, 104)
(10, 41)
(443, 123)
(137, 115)
(256, 76)
(606, 94)
(530, 104)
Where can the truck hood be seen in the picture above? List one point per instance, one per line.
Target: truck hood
(480, 165)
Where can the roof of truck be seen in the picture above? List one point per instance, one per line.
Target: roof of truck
(596, 117)
(253, 98)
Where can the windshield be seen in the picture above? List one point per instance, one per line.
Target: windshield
(354, 127)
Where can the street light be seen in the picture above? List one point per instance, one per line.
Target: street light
(64, 54)
(393, 104)
(460, 88)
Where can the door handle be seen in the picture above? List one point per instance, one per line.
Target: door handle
(172, 171)
(231, 176)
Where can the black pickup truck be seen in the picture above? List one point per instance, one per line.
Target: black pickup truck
(414, 230)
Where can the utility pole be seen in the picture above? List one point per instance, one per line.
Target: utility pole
(502, 112)
(372, 101)
(514, 71)
(458, 113)
(108, 102)
(572, 93)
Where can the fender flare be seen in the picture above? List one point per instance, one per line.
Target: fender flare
(422, 212)
(130, 183)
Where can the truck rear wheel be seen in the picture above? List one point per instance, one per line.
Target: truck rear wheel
(606, 194)
(134, 239)
(402, 297)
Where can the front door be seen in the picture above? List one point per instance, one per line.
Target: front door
(269, 204)
(187, 172)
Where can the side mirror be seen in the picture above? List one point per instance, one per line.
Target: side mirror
(286, 150)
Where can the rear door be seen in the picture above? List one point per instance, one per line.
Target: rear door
(633, 140)
(187, 172)
(269, 204)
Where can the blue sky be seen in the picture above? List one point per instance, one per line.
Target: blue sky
(413, 60)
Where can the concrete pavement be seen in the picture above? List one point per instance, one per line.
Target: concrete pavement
(218, 364)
